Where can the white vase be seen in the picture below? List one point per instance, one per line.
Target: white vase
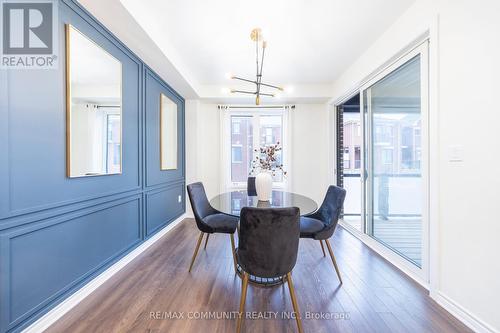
(264, 186)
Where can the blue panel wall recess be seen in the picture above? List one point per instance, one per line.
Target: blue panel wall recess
(57, 233)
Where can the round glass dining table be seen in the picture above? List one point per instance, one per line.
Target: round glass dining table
(232, 202)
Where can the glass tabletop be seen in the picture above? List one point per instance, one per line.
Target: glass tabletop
(232, 202)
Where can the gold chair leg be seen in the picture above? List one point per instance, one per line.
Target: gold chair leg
(242, 301)
(294, 302)
(196, 250)
(333, 260)
(206, 242)
(322, 248)
(233, 249)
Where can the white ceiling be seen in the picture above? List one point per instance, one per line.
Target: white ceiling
(95, 74)
(309, 42)
(91, 64)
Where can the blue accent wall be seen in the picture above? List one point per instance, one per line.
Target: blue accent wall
(57, 233)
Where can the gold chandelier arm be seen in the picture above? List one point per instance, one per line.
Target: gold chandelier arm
(242, 79)
(255, 82)
(271, 86)
(243, 92)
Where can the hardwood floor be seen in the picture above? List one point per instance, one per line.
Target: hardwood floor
(375, 296)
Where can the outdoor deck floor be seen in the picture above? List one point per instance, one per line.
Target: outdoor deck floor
(402, 235)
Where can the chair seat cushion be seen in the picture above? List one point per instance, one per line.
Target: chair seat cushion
(222, 223)
(309, 227)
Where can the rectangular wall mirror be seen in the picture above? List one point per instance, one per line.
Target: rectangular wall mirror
(93, 108)
(168, 133)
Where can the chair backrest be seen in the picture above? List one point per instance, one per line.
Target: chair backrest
(329, 211)
(200, 204)
(268, 240)
(251, 189)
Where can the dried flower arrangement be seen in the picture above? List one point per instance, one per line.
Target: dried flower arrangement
(266, 160)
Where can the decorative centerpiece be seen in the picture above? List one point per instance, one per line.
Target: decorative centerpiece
(266, 166)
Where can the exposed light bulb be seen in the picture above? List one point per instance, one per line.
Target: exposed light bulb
(277, 95)
(289, 89)
(225, 90)
(228, 76)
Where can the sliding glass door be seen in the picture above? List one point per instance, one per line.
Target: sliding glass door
(393, 107)
(393, 157)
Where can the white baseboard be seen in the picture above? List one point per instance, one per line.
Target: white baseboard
(61, 309)
(462, 314)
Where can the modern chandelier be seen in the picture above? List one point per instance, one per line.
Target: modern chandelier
(256, 36)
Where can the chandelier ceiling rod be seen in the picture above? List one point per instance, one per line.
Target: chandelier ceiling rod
(259, 76)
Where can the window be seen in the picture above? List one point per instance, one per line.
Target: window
(410, 146)
(236, 154)
(236, 127)
(347, 162)
(236, 204)
(241, 147)
(113, 149)
(269, 135)
(357, 157)
(407, 136)
(383, 133)
(406, 158)
(248, 131)
(387, 156)
(270, 129)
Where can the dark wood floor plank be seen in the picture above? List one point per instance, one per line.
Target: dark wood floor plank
(375, 296)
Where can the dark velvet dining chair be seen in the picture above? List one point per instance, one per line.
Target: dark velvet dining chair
(321, 224)
(251, 189)
(209, 220)
(267, 247)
